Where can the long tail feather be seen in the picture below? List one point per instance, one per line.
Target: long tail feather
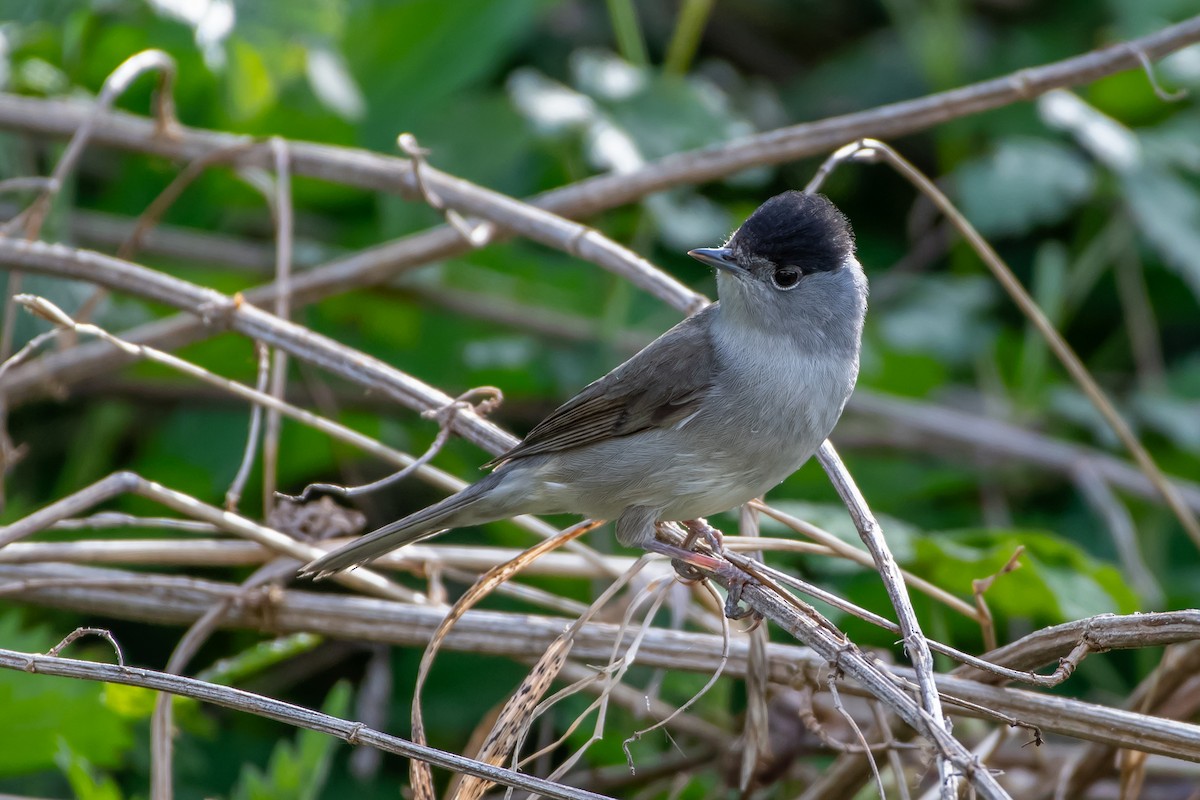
(453, 512)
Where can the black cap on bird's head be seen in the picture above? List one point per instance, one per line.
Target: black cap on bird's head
(796, 228)
(792, 229)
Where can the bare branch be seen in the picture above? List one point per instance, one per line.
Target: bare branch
(120, 483)
(1066, 356)
(219, 310)
(284, 227)
(915, 643)
(233, 494)
(180, 600)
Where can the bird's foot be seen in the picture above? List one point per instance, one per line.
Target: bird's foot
(736, 583)
(694, 566)
(700, 529)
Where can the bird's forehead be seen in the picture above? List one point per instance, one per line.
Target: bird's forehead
(796, 228)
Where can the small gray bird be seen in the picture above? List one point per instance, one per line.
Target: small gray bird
(712, 414)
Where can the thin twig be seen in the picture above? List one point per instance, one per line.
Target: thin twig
(444, 417)
(884, 725)
(831, 682)
(980, 587)
(375, 172)
(475, 234)
(848, 551)
(335, 430)
(418, 558)
(161, 721)
(1066, 356)
(32, 218)
(234, 494)
(712, 680)
(756, 730)
(150, 217)
(1179, 664)
(419, 773)
(222, 310)
(282, 208)
(79, 633)
(114, 86)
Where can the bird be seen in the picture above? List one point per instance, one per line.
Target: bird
(710, 415)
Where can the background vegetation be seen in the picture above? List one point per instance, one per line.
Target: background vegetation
(1098, 214)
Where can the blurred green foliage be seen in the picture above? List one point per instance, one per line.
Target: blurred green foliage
(1092, 197)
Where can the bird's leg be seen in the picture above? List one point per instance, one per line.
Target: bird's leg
(636, 527)
(736, 579)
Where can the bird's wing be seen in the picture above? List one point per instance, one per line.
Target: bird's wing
(657, 388)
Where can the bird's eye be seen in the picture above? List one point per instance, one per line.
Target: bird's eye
(786, 277)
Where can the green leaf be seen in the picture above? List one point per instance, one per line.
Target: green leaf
(1023, 183)
(249, 86)
(257, 659)
(931, 306)
(1174, 417)
(1167, 211)
(411, 57)
(86, 782)
(296, 770)
(911, 374)
(624, 115)
(1057, 580)
(43, 714)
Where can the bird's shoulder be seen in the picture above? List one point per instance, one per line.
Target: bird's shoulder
(659, 387)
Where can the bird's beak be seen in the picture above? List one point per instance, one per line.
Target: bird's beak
(719, 257)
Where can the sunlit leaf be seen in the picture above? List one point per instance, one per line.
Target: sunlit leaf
(333, 84)
(249, 85)
(1056, 581)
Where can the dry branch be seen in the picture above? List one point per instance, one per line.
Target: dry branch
(368, 170)
(180, 601)
(239, 700)
(390, 174)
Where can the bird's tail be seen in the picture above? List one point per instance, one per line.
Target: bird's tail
(471, 506)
